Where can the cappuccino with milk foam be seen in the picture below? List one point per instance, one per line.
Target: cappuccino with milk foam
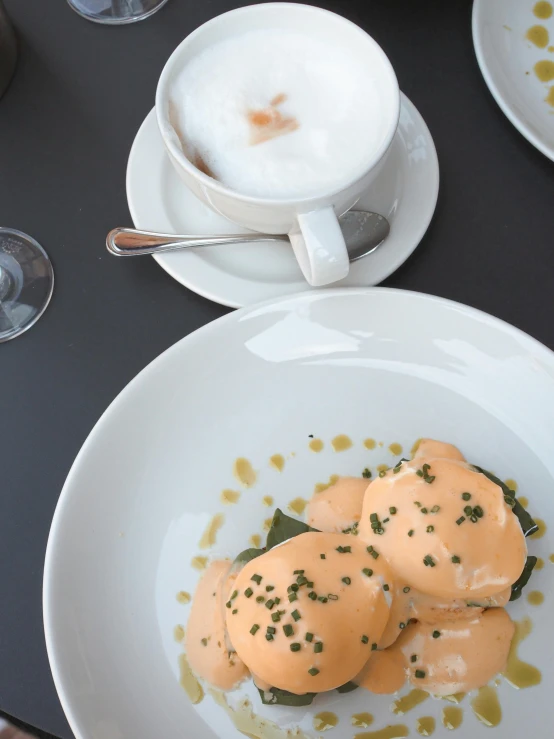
(277, 114)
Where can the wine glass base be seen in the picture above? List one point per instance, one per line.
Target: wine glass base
(115, 12)
(26, 282)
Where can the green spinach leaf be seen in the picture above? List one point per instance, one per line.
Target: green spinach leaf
(523, 579)
(278, 697)
(284, 527)
(528, 526)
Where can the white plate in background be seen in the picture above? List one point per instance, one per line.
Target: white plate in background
(507, 59)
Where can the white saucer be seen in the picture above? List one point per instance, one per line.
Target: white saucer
(405, 192)
(507, 60)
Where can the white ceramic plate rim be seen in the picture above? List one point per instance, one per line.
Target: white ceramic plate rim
(534, 346)
(235, 291)
(516, 120)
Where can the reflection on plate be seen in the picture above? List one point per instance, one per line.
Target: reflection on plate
(514, 44)
(251, 413)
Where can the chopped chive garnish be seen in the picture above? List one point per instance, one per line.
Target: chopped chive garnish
(332, 596)
(256, 578)
(269, 637)
(288, 630)
(365, 639)
(269, 604)
(254, 628)
(430, 479)
(298, 572)
(374, 646)
(235, 610)
(374, 554)
(204, 641)
(301, 580)
(419, 673)
(322, 556)
(312, 595)
(435, 509)
(419, 473)
(322, 599)
(385, 587)
(424, 510)
(473, 518)
(417, 503)
(430, 529)
(248, 592)
(346, 580)
(234, 594)
(260, 599)
(460, 520)
(478, 511)
(292, 597)
(318, 647)
(456, 560)
(309, 636)
(309, 584)
(386, 520)
(392, 510)
(406, 589)
(296, 616)
(271, 630)
(402, 625)
(269, 588)
(366, 473)
(370, 549)
(468, 510)
(436, 634)
(313, 671)
(382, 473)
(292, 588)
(295, 647)
(466, 496)
(428, 561)
(373, 517)
(413, 658)
(277, 601)
(275, 617)
(367, 571)
(411, 532)
(228, 604)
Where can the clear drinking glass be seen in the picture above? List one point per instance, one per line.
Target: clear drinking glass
(116, 11)
(26, 282)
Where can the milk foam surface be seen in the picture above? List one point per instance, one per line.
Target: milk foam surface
(323, 126)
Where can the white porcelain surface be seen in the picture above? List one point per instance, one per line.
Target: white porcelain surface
(405, 192)
(323, 257)
(386, 364)
(507, 59)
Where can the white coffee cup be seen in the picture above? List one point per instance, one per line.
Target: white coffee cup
(312, 223)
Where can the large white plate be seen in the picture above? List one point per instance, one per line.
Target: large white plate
(378, 363)
(507, 59)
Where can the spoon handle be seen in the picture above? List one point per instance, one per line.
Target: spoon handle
(129, 242)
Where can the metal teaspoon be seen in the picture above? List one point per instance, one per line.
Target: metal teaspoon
(363, 232)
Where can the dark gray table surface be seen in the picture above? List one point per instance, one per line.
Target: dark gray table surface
(67, 123)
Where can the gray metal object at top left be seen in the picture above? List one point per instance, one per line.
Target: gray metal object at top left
(8, 50)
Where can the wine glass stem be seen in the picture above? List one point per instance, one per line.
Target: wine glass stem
(4, 283)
